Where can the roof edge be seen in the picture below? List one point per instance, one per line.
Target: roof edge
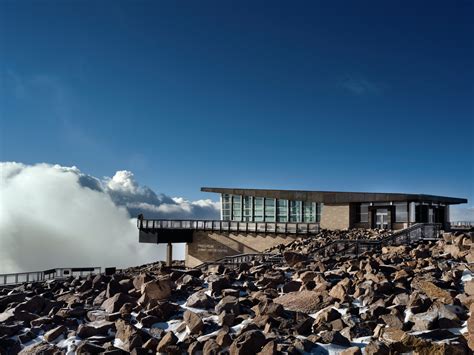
(335, 197)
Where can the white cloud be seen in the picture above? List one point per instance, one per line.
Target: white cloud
(461, 213)
(55, 216)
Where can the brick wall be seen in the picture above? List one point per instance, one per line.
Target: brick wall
(209, 246)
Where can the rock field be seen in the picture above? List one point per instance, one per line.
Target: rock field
(407, 299)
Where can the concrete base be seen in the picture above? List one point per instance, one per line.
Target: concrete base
(211, 246)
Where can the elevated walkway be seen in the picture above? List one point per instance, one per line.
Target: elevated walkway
(159, 231)
(50, 274)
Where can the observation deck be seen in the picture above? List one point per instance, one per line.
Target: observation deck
(159, 231)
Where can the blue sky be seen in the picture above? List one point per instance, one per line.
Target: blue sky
(356, 96)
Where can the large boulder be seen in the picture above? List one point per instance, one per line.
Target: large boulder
(193, 322)
(163, 310)
(140, 280)
(156, 290)
(114, 303)
(113, 287)
(34, 305)
(87, 348)
(200, 300)
(376, 347)
(327, 315)
(469, 287)
(334, 337)
(128, 334)
(94, 328)
(229, 304)
(211, 347)
(339, 292)
(432, 291)
(42, 348)
(304, 301)
(166, 342)
(218, 283)
(55, 333)
(250, 342)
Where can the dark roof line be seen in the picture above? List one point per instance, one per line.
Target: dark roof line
(336, 197)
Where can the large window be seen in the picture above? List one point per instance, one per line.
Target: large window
(269, 210)
(226, 210)
(282, 210)
(248, 208)
(258, 209)
(364, 213)
(309, 211)
(236, 208)
(295, 211)
(401, 212)
(318, 212)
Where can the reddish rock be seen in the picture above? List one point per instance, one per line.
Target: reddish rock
(55, 333)
(193, 322)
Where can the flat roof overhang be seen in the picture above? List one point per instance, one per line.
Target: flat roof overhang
(334, 197)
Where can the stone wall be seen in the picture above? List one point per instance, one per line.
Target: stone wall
(335, 217)
(210, 246)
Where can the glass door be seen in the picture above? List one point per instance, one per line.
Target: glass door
(431, 218)
(381, 218)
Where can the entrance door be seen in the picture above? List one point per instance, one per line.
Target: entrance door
(381, 218)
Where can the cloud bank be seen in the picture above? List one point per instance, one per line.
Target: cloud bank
(461, 213)
(56, 216)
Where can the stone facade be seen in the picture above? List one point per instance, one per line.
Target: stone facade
(210, 246)
(335, 217)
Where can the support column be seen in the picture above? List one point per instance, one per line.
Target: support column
(169, 254)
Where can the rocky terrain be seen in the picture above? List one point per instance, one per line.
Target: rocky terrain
(413, 299)
(310, 244)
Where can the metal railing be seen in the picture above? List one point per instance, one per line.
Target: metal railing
(263, 258)
(50, 274)
(415, 233)
(229, 226)
(461, 224)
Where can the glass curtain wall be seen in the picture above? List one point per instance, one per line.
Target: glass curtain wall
(270, 209)
(309, 212)
(226, 207)
(259, 209)
(236, 208)
(295, 211)
(282, 210)
(248, 209)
